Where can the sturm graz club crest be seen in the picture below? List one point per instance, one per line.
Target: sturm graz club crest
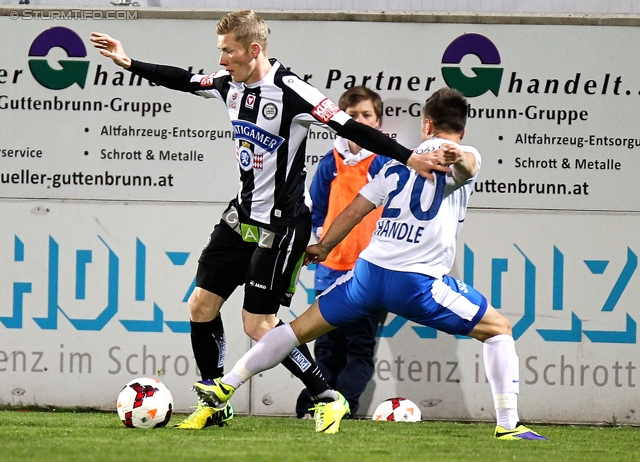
(245, 158)
(269, 111)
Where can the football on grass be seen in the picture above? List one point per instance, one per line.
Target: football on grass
(145, 403)
(397, 410)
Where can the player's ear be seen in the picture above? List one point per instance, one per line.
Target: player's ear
(424, 129)
(429, 125)
(464, 132)
(255, 50)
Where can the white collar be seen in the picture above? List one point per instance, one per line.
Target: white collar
(342, 146)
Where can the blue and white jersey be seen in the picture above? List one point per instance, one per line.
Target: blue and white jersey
(421, 219)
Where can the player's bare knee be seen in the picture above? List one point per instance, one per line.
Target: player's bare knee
(199, 309)
(501, 325)
(255, 332)
(250, 331)
(195, 305)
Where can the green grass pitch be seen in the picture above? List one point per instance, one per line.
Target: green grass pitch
(100, 436)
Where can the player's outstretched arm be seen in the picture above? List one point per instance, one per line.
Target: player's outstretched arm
(376, 141)
(348, 218)
(111, 48)
(167, 76)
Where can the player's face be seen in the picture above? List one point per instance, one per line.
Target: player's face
(239, 62)
(364, 113)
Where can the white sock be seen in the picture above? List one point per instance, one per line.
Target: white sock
(327, 395)
(272, 348)
(502, 366)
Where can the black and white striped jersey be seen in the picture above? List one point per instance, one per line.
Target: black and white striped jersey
(271, 119)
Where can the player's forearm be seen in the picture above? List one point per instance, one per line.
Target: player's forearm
(466, 167)
(374, 140)
(345, 222)
(168, 76)
(337, 232)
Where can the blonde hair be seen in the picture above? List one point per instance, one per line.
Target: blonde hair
(247, 26)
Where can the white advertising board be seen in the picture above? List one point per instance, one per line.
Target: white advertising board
(110, 186)
(94, 294)
(545, 106)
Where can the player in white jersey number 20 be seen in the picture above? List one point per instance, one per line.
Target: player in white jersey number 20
(404, 268)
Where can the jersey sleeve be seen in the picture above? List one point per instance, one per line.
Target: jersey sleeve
(179, 79)
(321, 188)
(316, 108)
(373, 140)
(375, 190)
(377, 165)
